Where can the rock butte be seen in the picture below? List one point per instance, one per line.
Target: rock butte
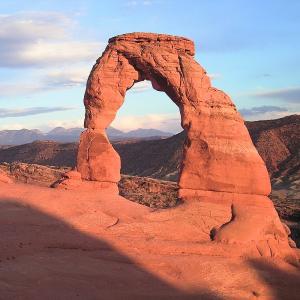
(221, 168)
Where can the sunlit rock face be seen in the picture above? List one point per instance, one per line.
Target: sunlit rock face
(4, 177)
(219, 154)
(220, 168)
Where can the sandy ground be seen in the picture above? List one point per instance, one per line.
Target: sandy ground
(58, 244)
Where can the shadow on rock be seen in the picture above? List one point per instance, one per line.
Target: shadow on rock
(283, 282)
(42, 257)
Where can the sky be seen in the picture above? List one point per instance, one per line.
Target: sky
(250, 49)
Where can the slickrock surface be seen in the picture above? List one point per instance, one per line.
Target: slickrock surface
(4, 177)
(70, 244)
(159, 193)
(220, 164)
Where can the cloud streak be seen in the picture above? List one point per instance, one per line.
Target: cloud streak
(259, 110)
(137, 3)
(14, 113)
(265, 112)
(141, 86)
(50, 79)
(37, 39)
(291, 95)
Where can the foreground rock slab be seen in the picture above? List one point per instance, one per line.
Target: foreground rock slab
(60, 244)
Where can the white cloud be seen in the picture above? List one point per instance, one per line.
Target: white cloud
(57, 78)
(23, 112)
(27, 26)
(141, 86)
(214, 76)
(164, 122)
(45, 126)
(13, 126)
(42, 39)
(62, 123)
(270, 115)
(135, 3)
(19, 88)
(67, 77)
(291, 94)
(47, 79)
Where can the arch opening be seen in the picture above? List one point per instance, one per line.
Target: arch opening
(152, 147)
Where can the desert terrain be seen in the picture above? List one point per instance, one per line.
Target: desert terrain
(62, 243)
(190, 218)
(59, 244)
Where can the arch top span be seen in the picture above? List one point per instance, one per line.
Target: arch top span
(172, 41)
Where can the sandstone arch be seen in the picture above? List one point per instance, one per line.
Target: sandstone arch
(218, 150)
(221, 168)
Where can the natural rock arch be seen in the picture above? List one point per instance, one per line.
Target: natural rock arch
(218, 153)
(221, 169)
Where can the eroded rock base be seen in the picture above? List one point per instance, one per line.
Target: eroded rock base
(76, 244)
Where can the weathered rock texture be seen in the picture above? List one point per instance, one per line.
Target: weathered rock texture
(218, 152)
(220, 164)
(4, 178)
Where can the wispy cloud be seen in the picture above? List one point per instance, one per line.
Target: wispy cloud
(291, 95)
(265, 112)
(73, 76)
(164, 122)
(141, 86)
(46, 80)
(254, 111)
(214, 76)
(41, 39)
(135, 3)
(57, 79)
(13, 113)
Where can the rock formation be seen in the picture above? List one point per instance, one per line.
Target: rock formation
(4, 177)
(218, 152)
(220, 163)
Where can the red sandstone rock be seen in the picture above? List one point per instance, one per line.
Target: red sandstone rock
(4, 178)
(219, 154)
(72, 174)
(220, 163)
(97, 160)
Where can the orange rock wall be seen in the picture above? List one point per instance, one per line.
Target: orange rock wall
(218, 153)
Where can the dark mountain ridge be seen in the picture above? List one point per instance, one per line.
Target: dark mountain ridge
(277, 141)
(63, 135)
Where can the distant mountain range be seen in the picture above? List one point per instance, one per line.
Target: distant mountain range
(277, 141)
(63, 135)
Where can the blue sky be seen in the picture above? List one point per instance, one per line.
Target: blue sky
(47, 48)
